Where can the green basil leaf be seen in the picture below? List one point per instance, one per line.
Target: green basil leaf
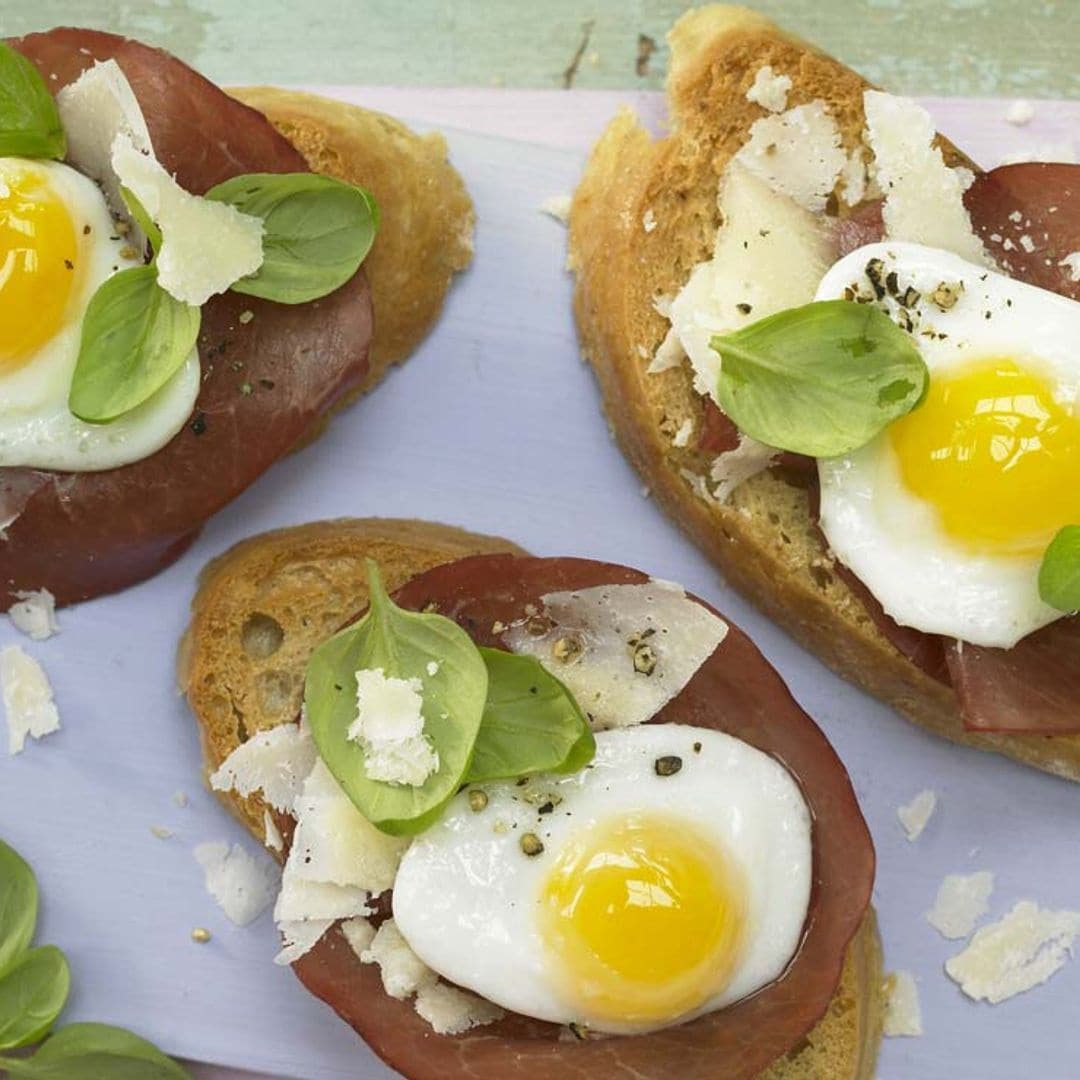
(142, 218)
(531, 722)
(135, 337)
(32, 993)
(317, 232)
(18, 906)
(820, 380)
(403, 644)
(29, 121)
(93, 1052)
(1059, 575)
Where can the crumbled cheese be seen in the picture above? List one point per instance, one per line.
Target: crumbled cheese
(271, 833)
(558, 207)
(797, 153)
(915, 816)
(735, 467)
(769, 90)
(1018, 952)
(624, 651)
(924, 201)
(682, 436)
(275, 762)
(1020, 113)
(359, 933)
(451, 1011)
(28, 698)
(242, 885)
(669, 354)
(903, 1016)
(1072, 262)
(299, 938)
(403, 972)
(389, 725)
(648, 220)
(206, 246)
(94, 109)
(962, 900)
(34, 614)
(853, 178)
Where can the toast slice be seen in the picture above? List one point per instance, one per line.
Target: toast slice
(262, 607)
(763, 539)
(427, 218)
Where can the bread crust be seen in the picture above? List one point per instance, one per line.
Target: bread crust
(763, 540)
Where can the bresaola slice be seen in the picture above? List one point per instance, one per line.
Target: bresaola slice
(736, 691)
(268, 378)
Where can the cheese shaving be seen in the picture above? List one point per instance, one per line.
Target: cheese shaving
(359, 933)
(735, 467)
(274, 762)
(1015, 954)
(451, 1011)
(242, 885)
(271, 833)
(34, 614)
(28, 698)
(299, 938)
(403, 972)
(915, 816)
(669, 354)
(903, 1015)
(962, 900)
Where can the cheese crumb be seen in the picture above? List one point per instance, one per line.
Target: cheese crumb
(242, 885)
(299, 938)
(962, 900)
(403, 972)
(903, 1016)
(797, 153)
(359, 933)
(451, 1011)
(271, 833)
(1015, 954)
(1072, 262)
(389, 725)
(1020, 113)
(558, 207)
(648, 220)
(915, 816)
(28, 698)
(669, 354)
(275, 762)
(34, 614)
(769, 90)
(682, 436)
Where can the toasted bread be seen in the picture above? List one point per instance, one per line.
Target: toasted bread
(262, 607)
(763, 539)
(427, 218)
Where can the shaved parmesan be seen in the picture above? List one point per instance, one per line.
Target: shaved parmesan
(640, 645)
(274, 762)
(903, 1016)
(669, 354)
(915, 816)
(797, 153)
(853, 179)
(242, 885)
(403, 972)
(299, 938)
(35, 614)
(206, 245)
(359, 934)
(769, 90)
(302, 901)
(735, 467)
(962, 900)
(924, 198)
(451, 1011)
(28, 698)
(97, 107)
(271, 833)
(1018, 952)
(389, 725)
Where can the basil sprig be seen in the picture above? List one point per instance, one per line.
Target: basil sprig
(29, 121)
(135, 337)
(820, 380)
(34, 986)
(317, 232)
(1059, 574)
(489, 714)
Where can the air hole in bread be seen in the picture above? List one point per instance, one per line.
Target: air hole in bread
(261, 636)
(275, 693)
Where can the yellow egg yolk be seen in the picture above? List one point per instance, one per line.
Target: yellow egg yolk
(996, 456)
(38, 261)
(644, 920)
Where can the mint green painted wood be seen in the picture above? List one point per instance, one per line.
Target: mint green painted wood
(1014, 48)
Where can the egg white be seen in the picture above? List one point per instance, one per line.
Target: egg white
(37, 428)
(889, 537)
(468, 900)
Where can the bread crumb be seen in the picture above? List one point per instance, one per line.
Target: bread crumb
(558, 207)
(1020, 112)
(962, 900)
(1015, 954)
(451, 1011)
(161, 832)
(200, 935)
(34, 614)
(735, 467)
(903, 1015)
(769, 90)
(915, 816)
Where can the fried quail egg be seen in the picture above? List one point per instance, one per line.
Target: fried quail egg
(668, 879)
(58, 243)
(945, 516)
